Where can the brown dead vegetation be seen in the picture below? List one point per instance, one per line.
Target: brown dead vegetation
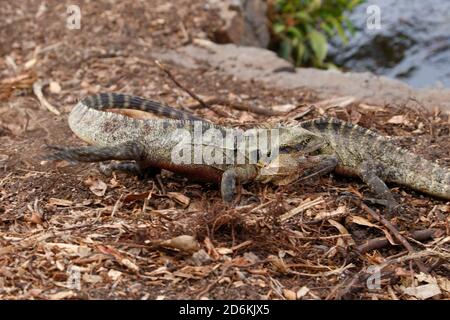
(169, 238)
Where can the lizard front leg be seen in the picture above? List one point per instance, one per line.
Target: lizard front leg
(233, 175)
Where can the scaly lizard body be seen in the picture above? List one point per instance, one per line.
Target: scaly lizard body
(355, 151)
(156, 143)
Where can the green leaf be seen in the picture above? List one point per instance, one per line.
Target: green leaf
(278, 27)
(329, 30)
(285, 50)
(301, 50)
(319, 44)
(314, 5)
(294, 32)
(303, 16)
(338, 26)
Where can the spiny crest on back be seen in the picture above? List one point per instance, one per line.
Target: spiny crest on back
(337, 125)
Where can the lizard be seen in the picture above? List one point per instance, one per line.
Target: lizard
(352, 150)
(356, 151)
(151, 143)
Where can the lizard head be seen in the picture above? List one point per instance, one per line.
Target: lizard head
(298, 141)
(292, 146)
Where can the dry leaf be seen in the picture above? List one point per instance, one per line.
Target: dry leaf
(284, 107)
(194, 272)
(54, 87)
(118, 256)
(340, 102)
(183, 243)
(180, 198)
(35, 218)
(62, 295)
(278, 264)
(114, 274)
(341, 210)
(30, 63)
(97, 186)
(302, 292)
(423, 292)
(289, 294)
(135, 196)
(60, 202)
(92, 278)
(211, 249)
(362, 221)
(342, 230)
(423, 277)
(355, 116)
(444, 283)
(397, 119)
(224, 251)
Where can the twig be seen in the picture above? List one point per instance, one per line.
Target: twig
(241, 106)
(416, 255)
(37, 89)
(213, 284)
(392, 229)
(381, 242)
(189, 92)
(302, 207)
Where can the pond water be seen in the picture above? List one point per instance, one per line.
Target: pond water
(412, 43)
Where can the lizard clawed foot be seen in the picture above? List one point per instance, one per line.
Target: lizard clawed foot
(129, 167)
(228, 186)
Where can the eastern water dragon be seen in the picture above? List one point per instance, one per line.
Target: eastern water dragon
(155, 143)
(320, 145)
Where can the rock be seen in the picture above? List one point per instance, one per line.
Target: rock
(245, 22)
(249, 63)
(201, 257)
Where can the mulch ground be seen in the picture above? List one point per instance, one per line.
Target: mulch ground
(69, 232)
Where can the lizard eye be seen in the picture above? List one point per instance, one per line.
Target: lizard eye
(286, 149)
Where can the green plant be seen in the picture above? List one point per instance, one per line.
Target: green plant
(302, 28)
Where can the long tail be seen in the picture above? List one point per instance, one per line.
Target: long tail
(104, 101)
(425, 176)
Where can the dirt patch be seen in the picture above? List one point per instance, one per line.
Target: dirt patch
(59, 222)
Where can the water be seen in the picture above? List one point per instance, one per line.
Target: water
(412, 45)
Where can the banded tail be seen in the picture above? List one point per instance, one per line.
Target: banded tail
(104, 101)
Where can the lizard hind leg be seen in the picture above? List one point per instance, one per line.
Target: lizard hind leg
(370, 173)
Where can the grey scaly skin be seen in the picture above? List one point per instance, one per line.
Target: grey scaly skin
(351, 150)
(355, 151)
(151, 143)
